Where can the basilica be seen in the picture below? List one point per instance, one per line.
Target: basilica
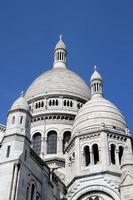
(64, 141)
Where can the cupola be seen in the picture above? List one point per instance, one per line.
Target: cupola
(96, 84)
(60, 54)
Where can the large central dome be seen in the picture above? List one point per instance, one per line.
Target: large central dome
(58, 81)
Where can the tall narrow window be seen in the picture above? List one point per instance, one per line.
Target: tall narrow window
(21, 119)
(56, 102)
(121, 149)
(8, 151)
(87, 155)
(112, 154)
(42, 104)
(64, 102)
(66, 138)
(37, 198)
(27, 193)
(37, 142)
(50, 103)
(32, 192)
(95, 153)
(52, 142)
(13, 120)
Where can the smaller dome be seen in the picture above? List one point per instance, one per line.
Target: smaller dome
(95, 75)
(20, 103)
(96, 112)
(60, 44)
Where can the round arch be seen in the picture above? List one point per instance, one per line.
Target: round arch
(52, 129)
(36, 142)
(80, 194)
(52, 142)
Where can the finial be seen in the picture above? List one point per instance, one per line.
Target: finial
(95, 68)
(22, 93)
(60, 37)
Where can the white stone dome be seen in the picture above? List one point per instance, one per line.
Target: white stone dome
(96, 112)
(20, 103)
(58, 81)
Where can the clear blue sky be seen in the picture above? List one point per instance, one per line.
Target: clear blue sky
(95, 32)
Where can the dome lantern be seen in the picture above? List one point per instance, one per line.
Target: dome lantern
(96, 84)
(60, 54)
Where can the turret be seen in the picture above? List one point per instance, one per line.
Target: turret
(17, 134)
(19, 118)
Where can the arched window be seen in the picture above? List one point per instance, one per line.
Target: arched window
(66, 138)
(36, 106)
(37, 197)
(71, 103)
(53, 102)
(32, 192)
(21, 119)
(52, 142)
(42, 104)
(8, 151)
(112, 154)
(64, 102)
(87, 155)
(37, 142)
(95, 153)
(56, 102)
(121, 149)
(27, 193)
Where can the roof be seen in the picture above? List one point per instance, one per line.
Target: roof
(56, 82)
(96, 112)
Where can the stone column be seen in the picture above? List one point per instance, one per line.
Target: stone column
(117, 156)
(45, 145)
(110, 156)
(91, 157)
(100, 154)
(42, 147)
(59, 145)
(104, 149)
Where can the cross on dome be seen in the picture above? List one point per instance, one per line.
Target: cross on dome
(60, 37)
(95, 68)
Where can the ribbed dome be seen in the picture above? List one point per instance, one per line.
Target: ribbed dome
(20, 103)
(58, 82)
(99, 111)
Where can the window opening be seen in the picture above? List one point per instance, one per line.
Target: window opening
(52, 142)
(87, 155)
(37, 143)
(95, 153)
(8, 151)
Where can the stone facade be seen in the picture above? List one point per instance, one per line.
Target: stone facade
(64, 140)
